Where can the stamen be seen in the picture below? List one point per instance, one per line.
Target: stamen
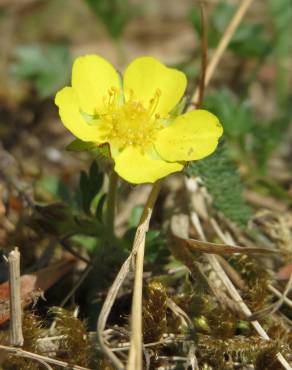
(130, 123)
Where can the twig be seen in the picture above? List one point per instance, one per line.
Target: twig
(113, 291)
(40, 358)
(231, 28)
(16, 336)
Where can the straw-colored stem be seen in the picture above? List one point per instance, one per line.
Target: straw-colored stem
(229, 32)
(135, 359)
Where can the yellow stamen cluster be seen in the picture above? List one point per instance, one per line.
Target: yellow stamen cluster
(129, 122)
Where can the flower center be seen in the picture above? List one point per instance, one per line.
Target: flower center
(130, 122)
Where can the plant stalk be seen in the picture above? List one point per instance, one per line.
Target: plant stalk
(111, 202)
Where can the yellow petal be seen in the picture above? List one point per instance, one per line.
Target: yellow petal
(72, 119)
(92, 77)
(145, 75)
(138, 168)
(191, 136)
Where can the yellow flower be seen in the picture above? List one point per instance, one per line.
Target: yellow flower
(146, 141)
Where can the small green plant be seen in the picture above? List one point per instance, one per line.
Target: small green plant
(46, 65)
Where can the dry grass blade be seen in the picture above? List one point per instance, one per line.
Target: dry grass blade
(274, 306)
(215, 248)
(113, 291)
(40, 358)
(235, 21)
(231, 289)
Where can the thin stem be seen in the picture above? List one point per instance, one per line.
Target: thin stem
(223, 44)
(135, 359)
(204, 55)
(114, 289)
(111, 202)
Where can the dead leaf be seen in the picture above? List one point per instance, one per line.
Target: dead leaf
(33, 285)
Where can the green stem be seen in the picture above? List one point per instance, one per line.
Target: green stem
(111, 202)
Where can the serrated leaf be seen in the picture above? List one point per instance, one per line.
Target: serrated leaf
(221, 178)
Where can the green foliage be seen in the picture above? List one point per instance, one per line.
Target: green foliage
(55, 187)
(281, 12)
(249, 40)
(222, 180)
(74, 213)
(250, 138)
(115, 14)
(135, 216)
(90, 185)
(101, 152)
(48, 66)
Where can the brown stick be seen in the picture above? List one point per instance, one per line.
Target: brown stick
(16, 336)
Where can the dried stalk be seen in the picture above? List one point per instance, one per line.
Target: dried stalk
(214, 263)
(113, 291)
(16, 336)
(135, 359)
(42, 359)
(231, 28)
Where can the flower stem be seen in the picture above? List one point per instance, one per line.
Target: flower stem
(135, 361)
(111, 202)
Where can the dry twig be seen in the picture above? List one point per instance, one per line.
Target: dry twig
(16, 336)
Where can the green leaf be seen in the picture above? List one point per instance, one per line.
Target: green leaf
(54, 186)
(48, 66)
(235, 115)
(115, 14)
(80, 146)
(250, 39)
(221, 178)
(135, 216)
(100, 152)
(100, 207)
(90, 185)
